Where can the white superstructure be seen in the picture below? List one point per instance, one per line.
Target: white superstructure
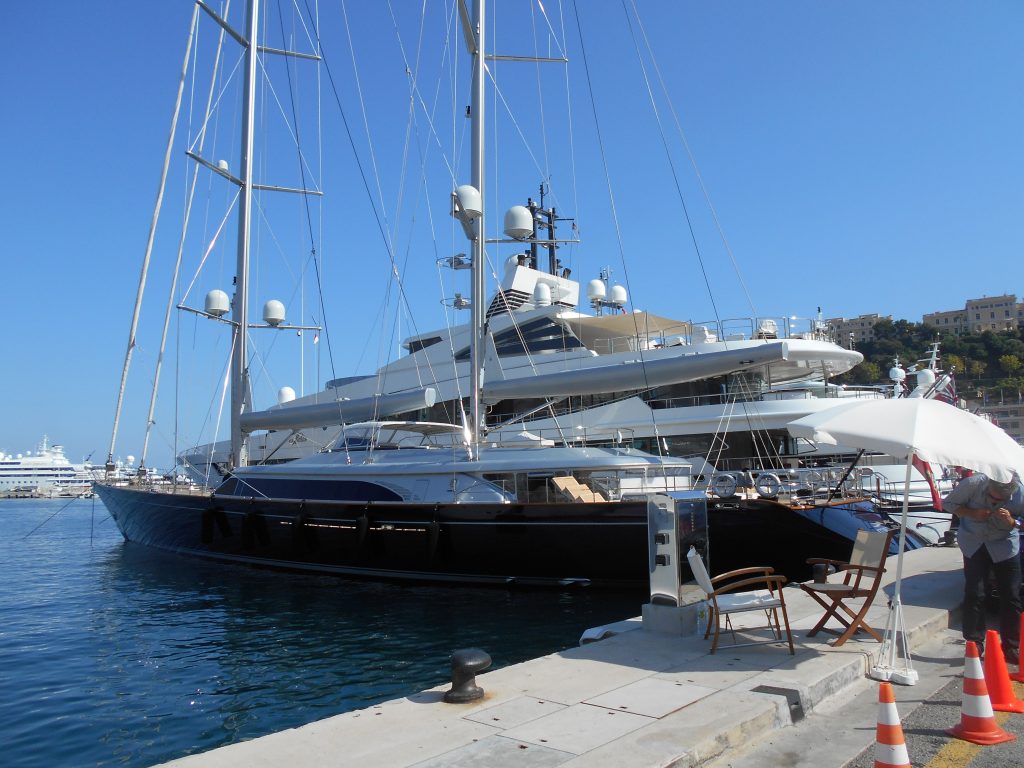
(539, 342)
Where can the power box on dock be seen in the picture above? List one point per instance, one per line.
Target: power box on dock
(675, 522)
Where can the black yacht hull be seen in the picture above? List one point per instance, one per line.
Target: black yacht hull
(538, 544)
(482, 543)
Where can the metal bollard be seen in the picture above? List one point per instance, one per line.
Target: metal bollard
(466, 663)
(821, 572)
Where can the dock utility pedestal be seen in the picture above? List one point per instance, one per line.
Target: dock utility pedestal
(675, 522)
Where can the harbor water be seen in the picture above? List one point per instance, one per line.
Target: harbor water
(113, 654)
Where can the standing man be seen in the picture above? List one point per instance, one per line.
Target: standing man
(989, 540)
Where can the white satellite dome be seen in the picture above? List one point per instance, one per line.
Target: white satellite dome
(897, 374)
(469, 201)
(273, 312)
(285, 395)
(518, 222)
(130, 459)
(618, 295)
(217, 303)
(596, 289)
(925, 377)
(542, 295)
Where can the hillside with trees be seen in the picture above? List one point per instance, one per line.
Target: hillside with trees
(983, 363)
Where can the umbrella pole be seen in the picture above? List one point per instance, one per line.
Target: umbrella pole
(895, 631)
(903, 527)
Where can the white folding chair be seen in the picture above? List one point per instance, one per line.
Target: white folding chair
(724, 599)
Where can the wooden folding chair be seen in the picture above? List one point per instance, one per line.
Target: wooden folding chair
(862, 576)
(724, 599)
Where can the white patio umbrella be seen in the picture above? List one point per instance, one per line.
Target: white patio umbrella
(935, 432)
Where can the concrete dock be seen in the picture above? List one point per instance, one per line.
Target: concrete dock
(649, 694)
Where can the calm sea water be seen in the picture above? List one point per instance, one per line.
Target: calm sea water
(112, 654)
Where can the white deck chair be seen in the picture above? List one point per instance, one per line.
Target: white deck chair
(724, 599)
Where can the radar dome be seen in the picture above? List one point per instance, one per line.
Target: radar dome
(217, 303)
(897, 374)
(925, 377)
(273, 312)
(130, 459)
(618, 295)
(596, 289)
(285, 395)
(542, 295)
(469, 201)
(518, 222)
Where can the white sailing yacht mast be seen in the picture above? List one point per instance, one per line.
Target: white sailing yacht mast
(468, 207)
(240, 308)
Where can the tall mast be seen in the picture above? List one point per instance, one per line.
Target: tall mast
(240, 307)
(478, 296)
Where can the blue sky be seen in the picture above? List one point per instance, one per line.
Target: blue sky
(861, 157)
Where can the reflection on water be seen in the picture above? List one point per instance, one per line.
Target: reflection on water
(122, 655)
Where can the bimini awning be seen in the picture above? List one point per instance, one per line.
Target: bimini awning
(597, 332)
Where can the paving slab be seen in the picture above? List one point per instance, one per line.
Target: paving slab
(641, 696)
(841, 728)
(652, 697)
(514, 712)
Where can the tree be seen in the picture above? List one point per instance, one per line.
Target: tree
(1009, 363)
(954, 363)
(867, 373)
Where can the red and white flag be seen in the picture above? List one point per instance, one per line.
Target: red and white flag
(926, 469)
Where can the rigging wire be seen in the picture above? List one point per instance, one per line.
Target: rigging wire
(190, 187)
(48, 519)
(611, 199)
(380, 222)
(152, 235)
(413, 126)
(693, 159)
(672, 167)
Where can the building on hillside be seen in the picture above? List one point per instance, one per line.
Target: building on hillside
(855, 330)
(989, 313)
(1006, 412)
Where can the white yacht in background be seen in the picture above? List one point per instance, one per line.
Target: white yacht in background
(46, 473)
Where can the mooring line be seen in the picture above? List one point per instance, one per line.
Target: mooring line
(48, 519)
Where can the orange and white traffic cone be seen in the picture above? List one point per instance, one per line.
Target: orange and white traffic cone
(977, 721)
(1019, 674)
(890, 746)
(997, 677)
